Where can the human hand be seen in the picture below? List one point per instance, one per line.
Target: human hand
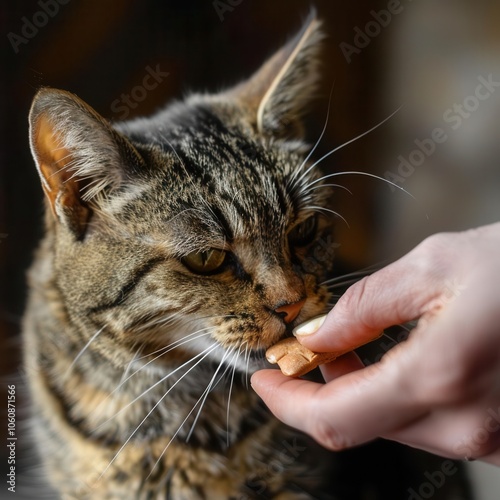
(440, 389)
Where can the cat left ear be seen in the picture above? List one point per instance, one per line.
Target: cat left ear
(278, 92)
(80, 158)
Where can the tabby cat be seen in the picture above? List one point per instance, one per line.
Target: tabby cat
(172, 259)
(177, 249)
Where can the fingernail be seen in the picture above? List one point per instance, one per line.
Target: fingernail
(309, 327)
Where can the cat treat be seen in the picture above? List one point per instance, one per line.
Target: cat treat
(296, 360)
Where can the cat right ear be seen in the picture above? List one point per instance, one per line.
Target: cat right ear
(279, 91)
(79, 156)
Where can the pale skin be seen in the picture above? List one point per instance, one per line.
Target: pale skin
(438, 391)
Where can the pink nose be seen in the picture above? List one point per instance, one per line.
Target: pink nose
(291, 311)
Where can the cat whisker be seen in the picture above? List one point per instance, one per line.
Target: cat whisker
(313, 149)
(200, 399)
(176, 343)
(247, 356)
(346, 277)
(161, 321)
(175, 434)
(129, 366)
(328, 210)
(79, 355)
(169, 322)
(343, 145)
(342, 284)
(330, 186)
(206, 352)
(202, 354)
(307, 189)
(165, 351)
(160, 352)
(236, 355)
(209, 388)
(367, 174)
(356, 275)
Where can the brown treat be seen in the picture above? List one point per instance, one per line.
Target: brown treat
(296, 360)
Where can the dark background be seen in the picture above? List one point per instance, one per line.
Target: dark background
(99, 50)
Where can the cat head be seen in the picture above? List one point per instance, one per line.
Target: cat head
(201, 227)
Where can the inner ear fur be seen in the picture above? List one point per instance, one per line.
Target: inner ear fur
(276, 95)
(61, 187)
(80, 158)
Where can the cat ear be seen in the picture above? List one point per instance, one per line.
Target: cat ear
(79, 157)
(278, 92)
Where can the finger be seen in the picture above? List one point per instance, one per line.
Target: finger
(453, 432)
(348, 363)
(347, 411)
(396, 294)
(281, 394)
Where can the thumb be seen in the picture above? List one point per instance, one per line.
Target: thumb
(394, 295)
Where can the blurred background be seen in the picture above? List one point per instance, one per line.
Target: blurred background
(436, 62)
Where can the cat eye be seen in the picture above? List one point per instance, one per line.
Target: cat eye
(205, 262)
(304, 233)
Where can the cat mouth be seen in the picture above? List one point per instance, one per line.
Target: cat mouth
(259, 354)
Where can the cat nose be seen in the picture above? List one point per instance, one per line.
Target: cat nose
(290, 311)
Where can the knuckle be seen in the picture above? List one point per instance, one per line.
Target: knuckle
(436, 242)
(480, 439)
(350, 299)
(434, 254)
(326, 434)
